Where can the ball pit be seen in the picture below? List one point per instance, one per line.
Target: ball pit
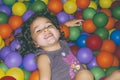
(101, 18)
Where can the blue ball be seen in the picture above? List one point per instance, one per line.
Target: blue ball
(115, 36)
(81, 41)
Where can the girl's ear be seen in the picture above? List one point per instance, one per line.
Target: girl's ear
(36, 45)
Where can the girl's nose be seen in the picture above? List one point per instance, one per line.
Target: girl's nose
(45, 29)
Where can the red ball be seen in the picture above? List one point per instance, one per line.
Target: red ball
(7, 78)
(75, 49)
(82, 3)
(117, 52)
(94, 42)
(78, 15)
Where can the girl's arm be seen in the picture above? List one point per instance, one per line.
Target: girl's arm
(43, 63)
(74, 22)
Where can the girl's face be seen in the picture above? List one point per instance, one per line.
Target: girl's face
(43, 32)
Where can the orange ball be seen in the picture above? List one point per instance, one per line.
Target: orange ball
(55, 6)
(108, 45)
(34, 75)
(65, 30)
(5, 31)
(106, 11)
(104, 59)
(110, 24)
(82, 3)
(88, 26)
(15, 22)
(9, 39)
(115, 61)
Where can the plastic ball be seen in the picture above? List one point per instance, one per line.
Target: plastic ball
(5, 9)
(2, 73)
(115, 36)
(93, 5)
(5, 30)
(15, 45)
(15, 72)
(15, 22)
(104, 59)
(34, 75)
(3, 66)
(88, 26)
(105, 3)
(82, 3)
(108, 45)
(75, 49)
(27, 4)
(94, 42)
(115, 61)
(81, 41)
(38, 6)
(117, 51)
(74, 33)
(91, 12)
(26, 74)
(116, 12)
(78, 15)
(7, 78)
(55, 6)
(117, 25)
(45, 1)
(27, 15)
(9, 2)
(70, 7)
(62, 17)
(110, 24)
(64, 29)
(106, 11)
(85, 55)
(102, 32)
(19, 8)
(100, 19)
(115, 3)
(1, 2)
(13, 59)
(92, 63)
(29, 62)
(97, 72)
(2, 44)
(3, 18)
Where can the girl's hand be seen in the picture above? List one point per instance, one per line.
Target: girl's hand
(74, 22)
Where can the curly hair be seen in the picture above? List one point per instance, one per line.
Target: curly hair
(25, 36)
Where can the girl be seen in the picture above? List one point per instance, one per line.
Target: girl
(41, 35)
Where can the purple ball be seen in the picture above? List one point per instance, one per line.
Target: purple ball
(5, 9)
(85, 55)
(1, 2)
(15, 45)
(62, 17)
(4, 52)
(71, 16)
(27, 15)
(92, 63)
(29, 62)
(17, 31)
(14, 59)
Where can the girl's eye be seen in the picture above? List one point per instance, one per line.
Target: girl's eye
(38, 30)
(49, 26)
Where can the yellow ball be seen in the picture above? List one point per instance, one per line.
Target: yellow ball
(2, 44)
(2, 73)
(70, 7)
(19, 8)
(15, 72)
(110, 31)
(73, 0)
(105, 3)
(0, 40)
(93, 5)
(45, 1)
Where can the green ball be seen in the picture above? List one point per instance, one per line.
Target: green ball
(100, 19)
(110, 70)
(74, 33)
(97, 72)
(95, 53)
(3, 18)
(102, 32)
(38, 6)
(27, 3)
(27, 74)
(89, 13)
(9, 2)
(116, 12)
(3, 66)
